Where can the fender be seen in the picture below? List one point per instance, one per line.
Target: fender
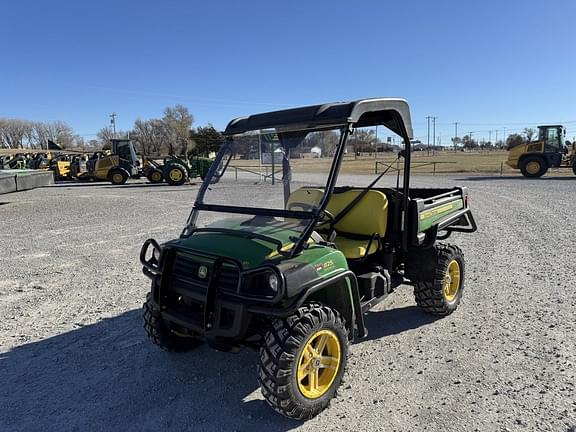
(353, 315)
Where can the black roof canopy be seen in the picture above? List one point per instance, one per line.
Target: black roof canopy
(392, 113)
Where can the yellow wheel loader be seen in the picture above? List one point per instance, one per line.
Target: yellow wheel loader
(115, 167)
(534, 159)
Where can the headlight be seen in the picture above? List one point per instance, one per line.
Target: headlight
(273, 282)
(263, 284)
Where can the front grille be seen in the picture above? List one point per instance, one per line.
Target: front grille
(228, 279)
(185, 274)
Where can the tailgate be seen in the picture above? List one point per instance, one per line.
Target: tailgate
(447, 211)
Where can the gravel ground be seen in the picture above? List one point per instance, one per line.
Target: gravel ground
(73, 354)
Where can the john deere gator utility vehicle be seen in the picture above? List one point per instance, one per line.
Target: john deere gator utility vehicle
(290, 267)
(534, 159)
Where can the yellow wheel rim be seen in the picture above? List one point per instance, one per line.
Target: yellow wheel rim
(117, 178)
(319, 364)
(452, 281)
(156, 176)
(175, 175)
(533, 167)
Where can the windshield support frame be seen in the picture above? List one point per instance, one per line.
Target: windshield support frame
(331, 182)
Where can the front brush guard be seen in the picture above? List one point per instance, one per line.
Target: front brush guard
(151, 266)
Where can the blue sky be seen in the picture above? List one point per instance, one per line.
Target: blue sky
(488, 65)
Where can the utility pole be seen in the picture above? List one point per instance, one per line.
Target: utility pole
(496, 139)
(455, 134)
(470, 137)
(113, 123)
(434, 134)
(375, 143)
(504, 137)
(490, 136)
(428, 142)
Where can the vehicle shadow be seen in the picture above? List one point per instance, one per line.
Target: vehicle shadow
(390, 322)
(108, 376)
(516, 178)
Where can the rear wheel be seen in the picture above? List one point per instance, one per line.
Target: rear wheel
(176, 175)
(159, 332)
(117, 177)
(533, 166)
(302, 361)
(155, 176)
(441, 291)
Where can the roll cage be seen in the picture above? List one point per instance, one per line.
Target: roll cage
(392, 113)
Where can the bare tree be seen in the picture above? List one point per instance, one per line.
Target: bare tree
(530, 133)
(13, 132)
(178, 123)
(105, 134)
(150, 135)
(169, 135)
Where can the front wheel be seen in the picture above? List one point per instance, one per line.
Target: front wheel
(441, 291)
(155, 176)
(118, 177)
(533, 167)
(159, 332)
(302, 361)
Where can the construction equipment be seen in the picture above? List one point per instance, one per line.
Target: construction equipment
(117, 166)
(60, 166)
(175, 170)
(534, 159)
(14, 161)
(294, 278)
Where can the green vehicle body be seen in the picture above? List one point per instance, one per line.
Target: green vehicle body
(193, 168)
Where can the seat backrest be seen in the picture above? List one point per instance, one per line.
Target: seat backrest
(368, 216)
(304, 197)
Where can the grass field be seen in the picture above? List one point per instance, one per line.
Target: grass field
(422, 163)
(444, 162)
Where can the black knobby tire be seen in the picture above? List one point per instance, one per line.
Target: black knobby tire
(183, 175)
(280, 354)
(430, 292)
(117, 177)
(574, 166)
(160, 334)
(530, 161)
(155, 176)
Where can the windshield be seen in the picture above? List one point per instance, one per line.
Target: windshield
(260, 174)
(269, 185)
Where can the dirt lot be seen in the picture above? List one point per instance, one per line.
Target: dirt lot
(73, 354)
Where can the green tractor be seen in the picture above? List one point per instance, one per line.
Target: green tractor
(175, 170)
(293, 273)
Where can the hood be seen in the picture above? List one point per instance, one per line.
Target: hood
(251, 252)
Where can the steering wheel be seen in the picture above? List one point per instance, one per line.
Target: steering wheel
(327, 217)
(300, 206)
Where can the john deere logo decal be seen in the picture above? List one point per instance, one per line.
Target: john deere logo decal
(202, 272)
